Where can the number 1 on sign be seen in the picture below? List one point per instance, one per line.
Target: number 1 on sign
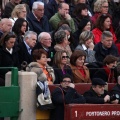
(75, 113)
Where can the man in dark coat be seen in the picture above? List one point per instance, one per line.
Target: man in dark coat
(25, 48)
(64, 94)
(97, 94)
(44, 42)
(38, 22)
(105, 47)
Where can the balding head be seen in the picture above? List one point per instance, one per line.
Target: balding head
(45, 39)
(6, 25)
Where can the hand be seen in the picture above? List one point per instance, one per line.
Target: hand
(67, 16)
(115, 101)
(71, 85)
(106, 98)
(91, 46)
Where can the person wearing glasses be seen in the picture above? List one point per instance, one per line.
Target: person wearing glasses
(61, 66)
(62, 42)
(64, 94)
(80, 72)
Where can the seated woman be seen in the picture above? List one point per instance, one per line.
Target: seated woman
(80, 71)
(8, 54)
(45, 76)
(62, 42)
(86, 44)
(19, 28)
(40, 66)
(107, 73)
(18, 12)
(61, 66)
(103, 23)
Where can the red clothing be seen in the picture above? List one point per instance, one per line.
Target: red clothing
(118, 47)
(82, 71)
(97, 35)
(94, 18)
(110, 73)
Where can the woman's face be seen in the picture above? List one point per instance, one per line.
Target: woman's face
(10, 43)
(23, 13)
(80, 61)
(104, 8)
(87, 27)
(66, 42)
(23, 28)
(81, 1)
(112, 65)
(43, 60)
(84, 12)
(107, 23)
(88, 42)
(64, 58)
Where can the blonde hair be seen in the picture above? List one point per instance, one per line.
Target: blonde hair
(98, 5)
(16, 11)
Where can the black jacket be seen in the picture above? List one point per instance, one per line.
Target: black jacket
(51, 8)
(59, 74)
(70, 96)
(8, 60)
(23, 53)
(101, 53)
(38, 26)
(50, 52)
(92, 97)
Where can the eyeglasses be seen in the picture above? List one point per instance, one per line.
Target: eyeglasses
(65, 81)
(63, 57)
(105, 6)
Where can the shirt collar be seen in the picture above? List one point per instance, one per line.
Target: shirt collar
(84, 47)
(10, 51)
(28, 48)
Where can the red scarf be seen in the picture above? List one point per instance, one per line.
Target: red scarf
(82, 71)
(110, 74)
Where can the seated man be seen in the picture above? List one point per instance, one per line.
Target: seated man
(64, 94)
(62, 14)
(97, 94)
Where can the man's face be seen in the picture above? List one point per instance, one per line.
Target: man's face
(39, 12)
(65, 83)
(46, 41)
(64, 10)
(99, 89)
(7, 26)
(31, 41)
(107, 42)
(16, 1)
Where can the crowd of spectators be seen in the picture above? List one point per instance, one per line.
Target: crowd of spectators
(80, 38)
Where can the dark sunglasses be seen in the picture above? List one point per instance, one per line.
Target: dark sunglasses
(65, 81)
(63, 57)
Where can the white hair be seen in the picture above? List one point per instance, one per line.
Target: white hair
(42, 35)
(28, 34)
(35, 5)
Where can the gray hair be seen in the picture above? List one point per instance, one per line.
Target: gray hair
(35, 5)
(106, 34)
(28, 34)
(59, 36)
(98, 5)
(42, 35)
(84, 36)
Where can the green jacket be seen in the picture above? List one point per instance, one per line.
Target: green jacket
(54, 21)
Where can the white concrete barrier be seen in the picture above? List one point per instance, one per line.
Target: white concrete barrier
(27, 82)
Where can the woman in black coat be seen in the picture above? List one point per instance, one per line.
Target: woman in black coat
(61, 66)
(8, 54)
